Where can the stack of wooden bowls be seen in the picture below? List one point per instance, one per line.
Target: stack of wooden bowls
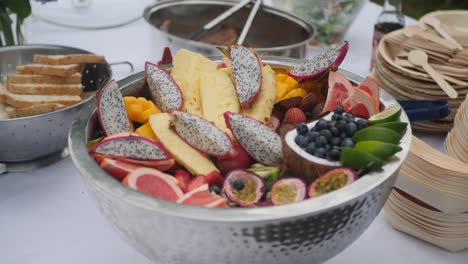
(448, 56)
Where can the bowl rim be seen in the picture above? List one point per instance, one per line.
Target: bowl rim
(52, 47)
(149, 10)
(94, 176)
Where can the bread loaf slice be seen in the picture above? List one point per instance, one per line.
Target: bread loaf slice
(33, 110)
(26, 100)
(68, 59)
(35, 78)
(54, 70)
(48, 89)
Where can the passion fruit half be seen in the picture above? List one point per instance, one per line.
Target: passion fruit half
(287, 190)
(332, 180)
(244, 188)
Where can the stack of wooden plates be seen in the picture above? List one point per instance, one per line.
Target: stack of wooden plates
(456, 143)
(431, 197)
(407, 81)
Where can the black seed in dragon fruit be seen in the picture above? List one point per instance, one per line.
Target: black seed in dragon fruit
(315, 67)
(164, 91)
(111, 110)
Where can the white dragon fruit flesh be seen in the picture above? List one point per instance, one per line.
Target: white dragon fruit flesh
(315, 67)
(164, 91)
(131, 145)
(260, 141)
(247, 71)
(201, 134)
(111, 110)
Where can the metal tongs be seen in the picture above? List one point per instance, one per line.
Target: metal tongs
(226, 14)
(425, 110)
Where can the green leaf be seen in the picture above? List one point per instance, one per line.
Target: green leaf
(6, 27)
(21, 7)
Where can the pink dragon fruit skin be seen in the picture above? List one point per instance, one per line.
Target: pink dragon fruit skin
(111, 110)
(131, 146)
(260, 141)
(315, 67)
(247, 71)
(201, 134)
(164, 91)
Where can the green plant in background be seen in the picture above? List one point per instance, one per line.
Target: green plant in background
(21, 9)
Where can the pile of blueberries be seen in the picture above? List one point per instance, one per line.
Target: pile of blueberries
(326, 138)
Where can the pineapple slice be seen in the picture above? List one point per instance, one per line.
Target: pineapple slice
(263, 106)
(186, 67)
(218, 95)
(184, 154)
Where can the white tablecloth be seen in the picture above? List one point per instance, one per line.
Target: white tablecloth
(47, 217)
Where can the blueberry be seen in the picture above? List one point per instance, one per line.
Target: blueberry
(343, 135)
(326, 133)
(312, 136)
(349, 116)
(334, 117)
(320, 152)
(215, 189)
(311, 148)
(321, 141)
(327, 147)
(332, 124)
(347, 142)
(238, 184)
(334, 154)
(340, 118)
(321, 124)
(302, 129)
(334, 131)
(351, 129)
(335, 141)
(362, 123)
(341, 125)
(302, 141)
(313, 129)
(339, 110)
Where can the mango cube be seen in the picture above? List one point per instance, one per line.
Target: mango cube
(146, 131)
(296, 92)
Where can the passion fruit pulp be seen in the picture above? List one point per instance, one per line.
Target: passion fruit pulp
(287, 190)
(244, 188)
(331, 181)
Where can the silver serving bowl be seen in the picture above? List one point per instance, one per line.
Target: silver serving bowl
(310, 231)
(273, 32)
(35, 137)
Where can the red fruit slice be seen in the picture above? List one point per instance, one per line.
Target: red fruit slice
(215, 178)
(183, 177)
(202, 197)
(288, 190)
(339, 88)
(165, 92)
(294, 116)
(117, 169)
(239, 160)
(161, 165)
(332, 180)
(371, 87)
(154, 183)
(111, 110)
(196, 182)
(362, 104)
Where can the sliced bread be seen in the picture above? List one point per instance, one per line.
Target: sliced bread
(36, 78)
(68, 59)
(48, 89)
(33, 110)
(26, 100)
(54, 70)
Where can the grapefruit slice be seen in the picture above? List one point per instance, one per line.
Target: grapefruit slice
(117, 169)
(370, 86)
(154, 183)
(201, 196)
(361, 104)
(339, 89)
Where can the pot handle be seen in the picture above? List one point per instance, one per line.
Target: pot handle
(129, 64)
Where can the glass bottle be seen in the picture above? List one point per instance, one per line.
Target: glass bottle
(389, 20)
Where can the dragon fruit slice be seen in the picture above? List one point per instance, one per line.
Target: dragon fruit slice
(111, 110)
(165, 92)
(260, 141)
(320, 64)
(247, 71)
(131, 146)
(201, 134)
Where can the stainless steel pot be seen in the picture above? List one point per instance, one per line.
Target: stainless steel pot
(310, 231)
(273, 32)
(35, 137)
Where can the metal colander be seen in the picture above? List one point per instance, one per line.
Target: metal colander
(310, 231)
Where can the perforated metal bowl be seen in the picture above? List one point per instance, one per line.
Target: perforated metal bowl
(310, 231)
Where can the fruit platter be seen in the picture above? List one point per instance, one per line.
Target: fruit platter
(274, 142)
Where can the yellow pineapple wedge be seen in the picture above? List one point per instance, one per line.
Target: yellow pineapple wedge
(184, 154)
(263, 106)
(218, 95)
(186, 67)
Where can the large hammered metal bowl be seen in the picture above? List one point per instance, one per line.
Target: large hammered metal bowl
(310, 231)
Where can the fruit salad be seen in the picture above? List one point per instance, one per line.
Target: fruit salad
(213, 134)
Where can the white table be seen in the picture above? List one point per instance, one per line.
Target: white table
(47, 217)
